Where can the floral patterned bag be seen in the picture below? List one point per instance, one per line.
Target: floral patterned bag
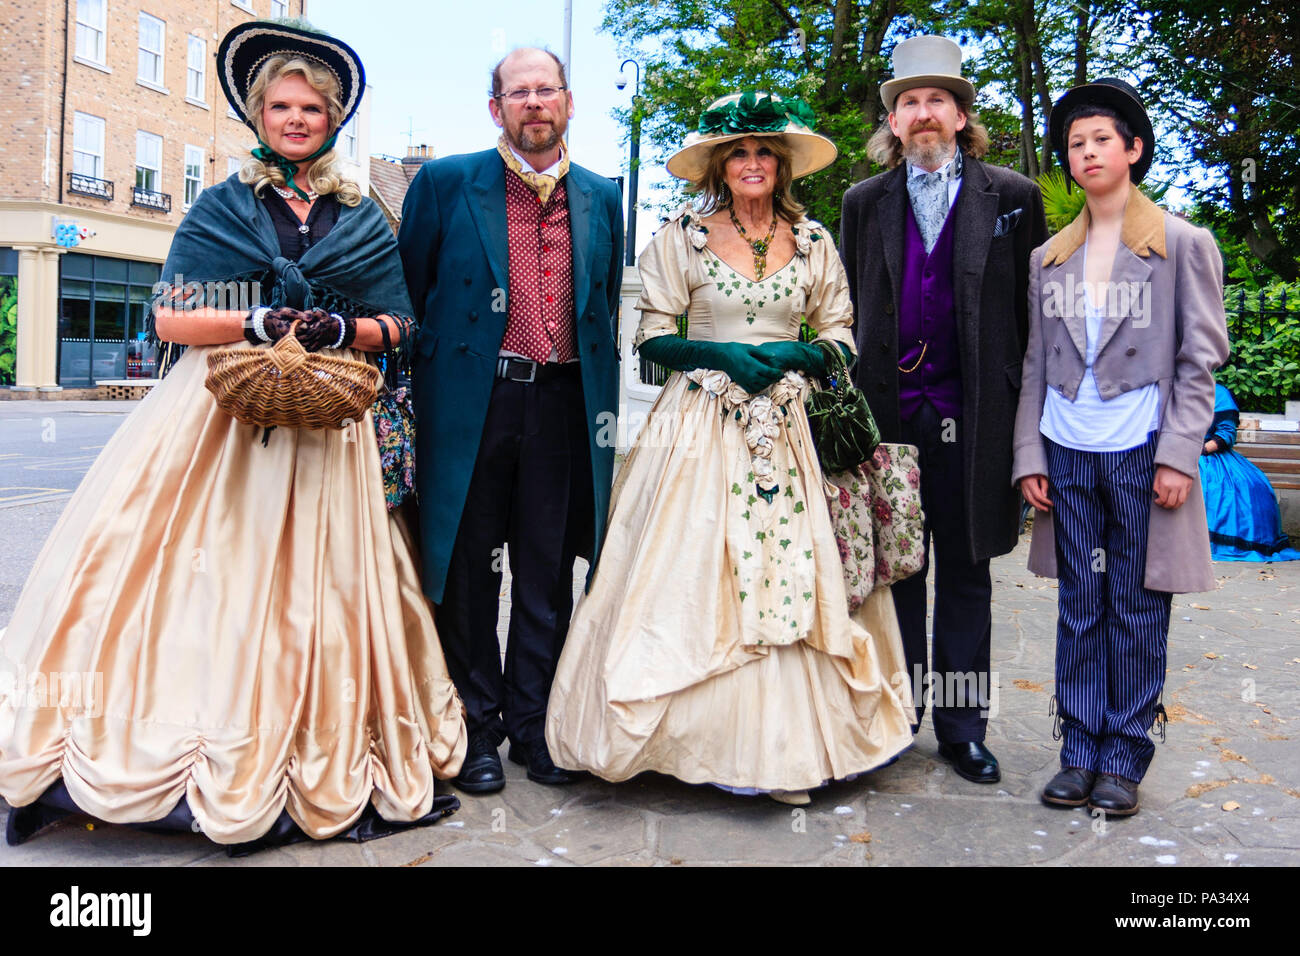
(394, 416)
(878, 522)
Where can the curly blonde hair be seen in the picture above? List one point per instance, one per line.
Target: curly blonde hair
(887, 149)
(714, 194)
(324, 176)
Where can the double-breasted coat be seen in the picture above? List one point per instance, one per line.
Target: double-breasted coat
(453, 241)
(999, 219)
(1164, 323)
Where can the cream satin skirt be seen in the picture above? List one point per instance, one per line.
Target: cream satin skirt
(236, 625)
(716, 644)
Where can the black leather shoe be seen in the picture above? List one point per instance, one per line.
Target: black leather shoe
(541, 769)
(481, 772)
(1116, 796)
(972, 760)
(1069, 788)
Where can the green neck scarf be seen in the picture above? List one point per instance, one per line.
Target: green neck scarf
(289, 167)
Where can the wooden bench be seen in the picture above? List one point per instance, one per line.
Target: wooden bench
(1276, 454)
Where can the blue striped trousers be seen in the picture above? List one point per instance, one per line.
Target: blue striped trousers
(1111, 632)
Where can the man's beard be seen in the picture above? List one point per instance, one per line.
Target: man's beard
(533, 141)
(928, 155)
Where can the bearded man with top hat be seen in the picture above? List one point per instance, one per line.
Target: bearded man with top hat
(513, 258)
(937, 253)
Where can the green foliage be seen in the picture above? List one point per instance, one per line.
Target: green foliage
(1061, 205)
(8, 328)
(1263, 371)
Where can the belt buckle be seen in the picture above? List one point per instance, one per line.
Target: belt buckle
(532, 371)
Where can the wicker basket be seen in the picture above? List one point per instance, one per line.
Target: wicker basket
(288, 386)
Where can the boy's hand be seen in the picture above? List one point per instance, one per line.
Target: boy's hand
(1171, 487)
(1034, 488)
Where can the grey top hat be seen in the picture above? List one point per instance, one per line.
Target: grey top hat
(927, 61)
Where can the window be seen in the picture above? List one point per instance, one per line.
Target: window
(148, 161)
(244, 5)
(87, 145)
(233, 164)
(90, 30)
(279, 9)
(193, 174)
(348, 139)
(196, 69)
(151, 50)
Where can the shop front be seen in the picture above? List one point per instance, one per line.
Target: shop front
(103, 307)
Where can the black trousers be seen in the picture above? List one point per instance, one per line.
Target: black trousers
(531, 490)
(958, 685)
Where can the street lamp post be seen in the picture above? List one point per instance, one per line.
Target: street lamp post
(635, 158)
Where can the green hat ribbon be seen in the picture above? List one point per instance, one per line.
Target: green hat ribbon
(287, 166)
(750, 114)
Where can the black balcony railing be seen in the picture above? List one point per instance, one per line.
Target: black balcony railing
(150, 199)
(90, 186)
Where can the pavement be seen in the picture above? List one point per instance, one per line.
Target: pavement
(1223, 790)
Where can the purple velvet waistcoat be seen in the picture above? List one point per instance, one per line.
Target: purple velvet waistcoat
(927, 315)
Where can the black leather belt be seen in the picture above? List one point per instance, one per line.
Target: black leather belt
(526, 370)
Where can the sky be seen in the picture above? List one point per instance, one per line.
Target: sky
(429, 67)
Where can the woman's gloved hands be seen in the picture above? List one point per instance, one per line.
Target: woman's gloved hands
(746, 364)
(317, 329)
(803, 356)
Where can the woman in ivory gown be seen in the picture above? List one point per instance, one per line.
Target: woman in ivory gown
(240, 613)
(716, 644)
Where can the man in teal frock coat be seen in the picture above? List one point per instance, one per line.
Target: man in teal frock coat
(513, 259)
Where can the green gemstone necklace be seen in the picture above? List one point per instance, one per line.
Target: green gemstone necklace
(758, 246)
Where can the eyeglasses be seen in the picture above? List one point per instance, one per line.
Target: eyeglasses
(521, 96)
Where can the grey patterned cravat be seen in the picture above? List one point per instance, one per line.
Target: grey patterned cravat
(929, 194)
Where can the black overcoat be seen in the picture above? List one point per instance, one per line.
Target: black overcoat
(999, 222)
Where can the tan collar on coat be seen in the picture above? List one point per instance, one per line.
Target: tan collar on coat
(1143, 230)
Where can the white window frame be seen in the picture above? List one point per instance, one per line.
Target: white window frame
(142, 52)
(141, 138)
(94, 34)
(284, 9)
(84, 122)
(247, 5)
(348, 139)
(196, 77)
(200, 159)
(233, 165)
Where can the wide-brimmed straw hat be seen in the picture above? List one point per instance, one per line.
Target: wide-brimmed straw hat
(1112, 93)
(927, 61)
(248, 46)
(754, 113)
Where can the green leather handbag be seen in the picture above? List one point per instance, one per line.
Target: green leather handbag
(843, 428)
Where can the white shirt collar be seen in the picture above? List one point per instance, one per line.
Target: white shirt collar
(918, 171)
(548, 171)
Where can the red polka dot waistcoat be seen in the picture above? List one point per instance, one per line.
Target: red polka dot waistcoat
(541, 273)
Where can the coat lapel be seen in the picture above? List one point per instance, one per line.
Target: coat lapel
(892, 223)
(1064, 283)
(579, 193)
(976, 209)
(486, 195)
(1127, 294)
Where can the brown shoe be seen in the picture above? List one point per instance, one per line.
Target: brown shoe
(1069, 788)
(1115, 796)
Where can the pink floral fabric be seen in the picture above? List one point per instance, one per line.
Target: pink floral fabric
(876, 512)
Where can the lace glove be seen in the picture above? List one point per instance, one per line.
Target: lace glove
(747, 366)
(326, 330)
(272, 325)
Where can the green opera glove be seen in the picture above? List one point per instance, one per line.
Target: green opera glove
(802, 356)
(746, 365)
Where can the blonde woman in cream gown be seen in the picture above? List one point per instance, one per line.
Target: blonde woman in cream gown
(225, 630)
(716, 643)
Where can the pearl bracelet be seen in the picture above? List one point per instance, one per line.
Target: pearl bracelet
(343, 330)
(259, 322)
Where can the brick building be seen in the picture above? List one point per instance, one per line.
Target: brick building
(115, 122)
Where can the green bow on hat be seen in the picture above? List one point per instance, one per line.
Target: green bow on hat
(752, 114)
